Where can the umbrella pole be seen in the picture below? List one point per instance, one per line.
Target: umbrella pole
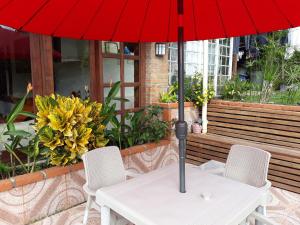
(181, 125)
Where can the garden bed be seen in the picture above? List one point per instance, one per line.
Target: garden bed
(30, 197)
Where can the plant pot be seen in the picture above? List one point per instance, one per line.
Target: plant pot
(196, 128)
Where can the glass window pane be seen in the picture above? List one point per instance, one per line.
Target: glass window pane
(132, 94)
(110, 47)
(131, 71)
(71, 67)
(131, 49)
(118, 103)
(15, 70)
(111, 70)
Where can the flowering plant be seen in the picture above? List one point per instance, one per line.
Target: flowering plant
(198, 96)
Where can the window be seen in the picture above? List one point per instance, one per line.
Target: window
(225, 63)
(219, 60)
(15, 70)
(193, 59)
(121, 62)
(71, 67)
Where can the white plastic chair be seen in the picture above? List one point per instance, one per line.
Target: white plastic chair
(248, 165)
(103, 167)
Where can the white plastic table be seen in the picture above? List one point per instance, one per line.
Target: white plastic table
(154, 199)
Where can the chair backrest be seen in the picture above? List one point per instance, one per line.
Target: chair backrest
(248, 165)
(103, 167)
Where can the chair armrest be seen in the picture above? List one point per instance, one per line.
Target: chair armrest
(261, 218)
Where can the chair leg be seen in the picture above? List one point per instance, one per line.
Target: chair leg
(263, 211)
(87, 210)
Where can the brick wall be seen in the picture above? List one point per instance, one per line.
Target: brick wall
(156, 79)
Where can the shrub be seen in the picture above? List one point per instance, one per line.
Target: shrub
(193, 91)
(68, 127)
(236, 89)
(141, 127)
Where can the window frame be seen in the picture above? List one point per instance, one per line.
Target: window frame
(97, 84)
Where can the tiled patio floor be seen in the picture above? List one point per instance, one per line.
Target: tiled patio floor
(284, 209)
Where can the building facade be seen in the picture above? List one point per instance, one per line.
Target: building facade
(89, 68)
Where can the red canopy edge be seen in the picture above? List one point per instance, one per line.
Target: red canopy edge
(148, 20)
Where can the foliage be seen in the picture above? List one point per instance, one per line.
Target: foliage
(169, 96)
(271, 62)
(198, 96)
(68, 127)
(145, 126)
(138, 128)
(108, 111)
(13, 144)
(193, 91)
(236, 89)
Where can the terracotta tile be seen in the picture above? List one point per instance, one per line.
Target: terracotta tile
(45, 198)
(11, 207)
(137, 149)
(5, 185)
(56, 171)
(75, 167)
(28, 178)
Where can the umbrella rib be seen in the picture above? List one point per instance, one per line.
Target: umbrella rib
(93, 18)
(118, 21)
(221, 17)
(282, 13)
(66, 15)
(144, 20)
(250, 16)
(34, 14)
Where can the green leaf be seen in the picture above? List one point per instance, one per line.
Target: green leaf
(115, 122)
(36, 149)
(16, 110)
(11, 127)
(7, 147)
(28, 114)
(121, 99)
(113, 91)
(20, 133)
(53, 102)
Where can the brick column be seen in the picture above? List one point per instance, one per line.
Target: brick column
(156, 77)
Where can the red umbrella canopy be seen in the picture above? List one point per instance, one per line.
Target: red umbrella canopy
(148, 20)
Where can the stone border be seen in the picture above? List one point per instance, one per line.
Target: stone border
(30, 178)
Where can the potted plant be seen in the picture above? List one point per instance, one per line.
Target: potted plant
(197, 127)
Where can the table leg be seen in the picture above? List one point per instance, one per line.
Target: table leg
(105, 215)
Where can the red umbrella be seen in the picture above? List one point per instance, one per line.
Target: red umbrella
(148, 20)
(151, 20)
